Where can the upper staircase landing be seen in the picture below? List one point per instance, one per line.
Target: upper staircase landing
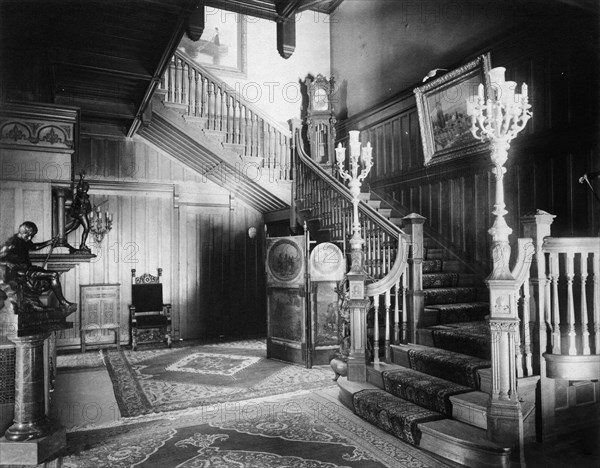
(202, 123)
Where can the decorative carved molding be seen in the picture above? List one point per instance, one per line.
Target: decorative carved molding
(38, 128)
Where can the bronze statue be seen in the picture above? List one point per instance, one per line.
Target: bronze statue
(31, 280)
(79, 212)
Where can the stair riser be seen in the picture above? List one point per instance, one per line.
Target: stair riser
(469, 412)
(458, 453)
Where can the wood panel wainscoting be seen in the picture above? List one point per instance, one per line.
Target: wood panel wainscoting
(558, 146)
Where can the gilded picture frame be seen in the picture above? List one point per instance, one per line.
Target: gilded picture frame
(223, 44)
(442, 109)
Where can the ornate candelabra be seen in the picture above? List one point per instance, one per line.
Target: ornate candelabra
(499, 119)
(100, 225)
(358, 156)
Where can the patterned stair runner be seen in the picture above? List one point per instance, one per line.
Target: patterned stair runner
(422, 389)
(394, 415)
(449, 295)
(472, 338)
(460, 312)
(455, 367)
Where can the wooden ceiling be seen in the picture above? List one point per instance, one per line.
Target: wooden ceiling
(105, 56)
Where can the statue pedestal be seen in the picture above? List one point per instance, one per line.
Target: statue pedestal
(35, 451)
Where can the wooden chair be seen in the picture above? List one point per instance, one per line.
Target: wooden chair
(150, 317)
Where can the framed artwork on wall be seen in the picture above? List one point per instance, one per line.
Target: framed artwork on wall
(442, 108)
(222, 46)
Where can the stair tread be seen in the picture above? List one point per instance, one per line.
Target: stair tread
(449, 365)
(397, 416)
(459, 305)
(474, 398)
(423, 389)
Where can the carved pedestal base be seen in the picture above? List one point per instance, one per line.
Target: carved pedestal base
(35, 451)
(30, 393)
(505, 426)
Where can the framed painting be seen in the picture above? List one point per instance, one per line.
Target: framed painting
(222, 46)
(442, 107)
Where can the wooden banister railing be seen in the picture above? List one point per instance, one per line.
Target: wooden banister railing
(222, 109)
(573, 266)
(563, 289)
(328, 202)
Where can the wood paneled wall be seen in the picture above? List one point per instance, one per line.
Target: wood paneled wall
(164, 216)
(559, 144)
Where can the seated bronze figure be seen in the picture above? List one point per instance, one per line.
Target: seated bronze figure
(31, 281)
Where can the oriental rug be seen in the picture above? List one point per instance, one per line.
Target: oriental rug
(162, 379)
(309, 430)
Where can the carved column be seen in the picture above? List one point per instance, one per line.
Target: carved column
(537, 226)
(415, 298)
(60, 194)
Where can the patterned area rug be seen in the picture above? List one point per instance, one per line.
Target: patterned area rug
(422, 389)
(308, 431)
(398, 417)
(158, 380)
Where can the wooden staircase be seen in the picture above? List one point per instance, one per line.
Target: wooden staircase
(432, 393)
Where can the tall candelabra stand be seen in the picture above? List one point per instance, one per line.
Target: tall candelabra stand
(355, 175)
(498, 119)
(359, 167)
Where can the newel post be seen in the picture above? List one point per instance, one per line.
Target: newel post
(537, 226)
(415, 298)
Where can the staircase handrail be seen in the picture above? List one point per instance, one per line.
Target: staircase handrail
(571, 244)
(233, 93)
(391, 279)
(341, 189)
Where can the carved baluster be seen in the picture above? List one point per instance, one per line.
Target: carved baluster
(204, 99)
(256, 127)
(388, 303)
(570, 303)
(585, 334)
(223, 110)
(229, 119)
(197, 94)
(398, 291)
(171, 83)
(596, 289)
(210, 122)
(376, 330)
(527, 323)
(178, 80)
(404, 312)
(191, 91)
(251, 136)
(519, 341)
(186, 80)
(554, 274)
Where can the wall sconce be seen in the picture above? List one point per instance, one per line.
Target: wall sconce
(100, 225)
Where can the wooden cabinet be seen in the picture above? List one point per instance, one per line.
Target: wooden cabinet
(100, 315)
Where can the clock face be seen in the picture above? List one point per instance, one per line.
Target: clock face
(320, 100)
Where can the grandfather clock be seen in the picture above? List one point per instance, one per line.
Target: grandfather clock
(321, 121)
